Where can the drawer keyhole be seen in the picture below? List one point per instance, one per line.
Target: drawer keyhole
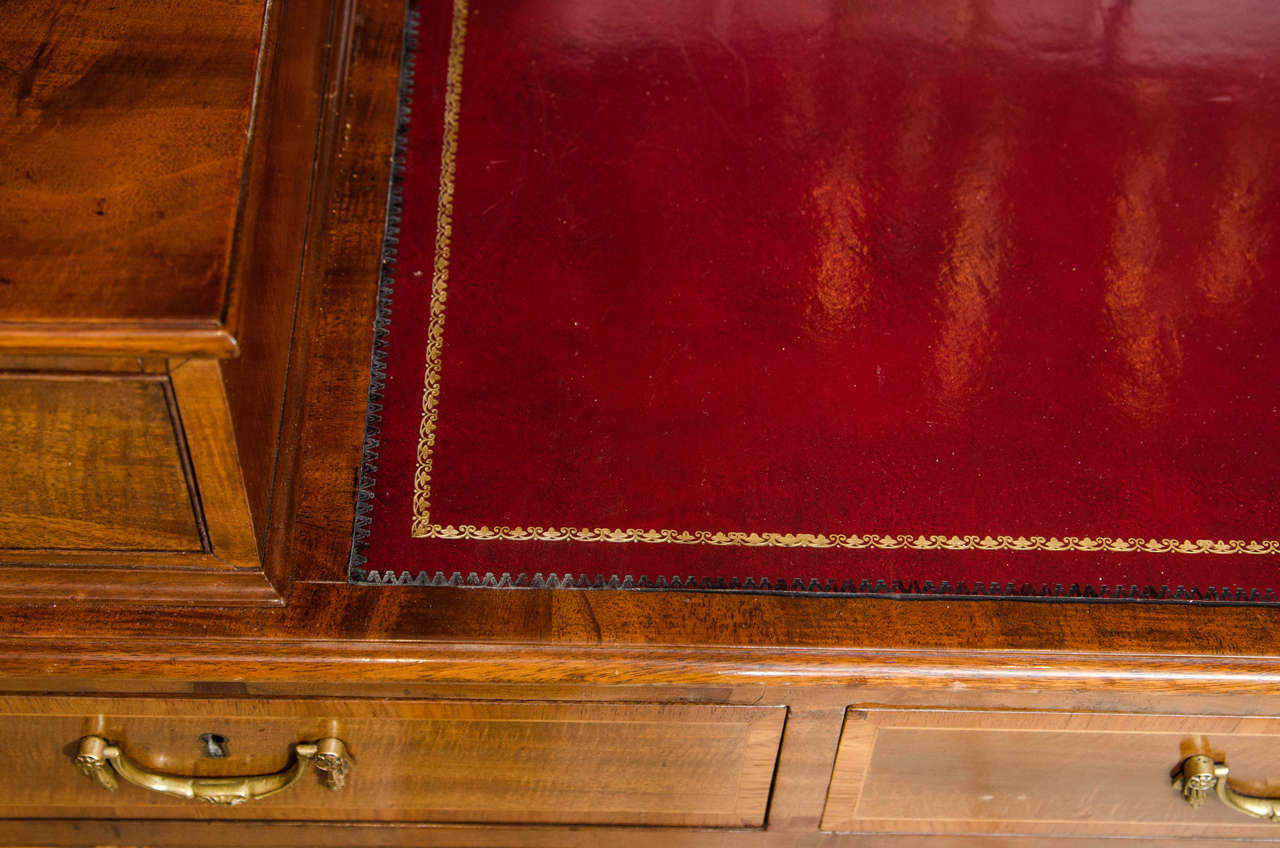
(215, 745)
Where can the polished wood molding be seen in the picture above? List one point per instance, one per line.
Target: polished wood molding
(173, 583)
(210, 436)
(278, 225)
(97, 339)
(940, 673)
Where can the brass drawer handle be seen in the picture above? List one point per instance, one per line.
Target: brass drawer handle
(328, 755)
(1196, 775)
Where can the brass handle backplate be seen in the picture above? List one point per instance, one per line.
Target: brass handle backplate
(102, 761)
(1196, 775)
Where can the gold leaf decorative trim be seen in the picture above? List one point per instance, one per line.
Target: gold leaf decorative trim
(440, 270)
(423, 527)
(856, 541)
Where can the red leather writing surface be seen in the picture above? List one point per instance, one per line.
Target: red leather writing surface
(871, 296)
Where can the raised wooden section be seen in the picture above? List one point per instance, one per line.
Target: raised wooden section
(123, 484)
(94, 463)
(1027, 772)
(147, 208)
(638, 764)
(207, 426)
(124, 137)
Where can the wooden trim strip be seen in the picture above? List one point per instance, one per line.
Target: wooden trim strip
(195, 338)
(353, 662)
(210, 437)
(215, 586)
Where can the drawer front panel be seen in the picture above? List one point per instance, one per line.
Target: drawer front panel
(945, 771)
(636, 764)
(124, 484)
(94, 464)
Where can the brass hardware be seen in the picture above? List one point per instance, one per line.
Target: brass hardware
(101, 761)
(1196, 775)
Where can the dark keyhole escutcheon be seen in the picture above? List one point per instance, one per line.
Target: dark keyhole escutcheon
(215, 745)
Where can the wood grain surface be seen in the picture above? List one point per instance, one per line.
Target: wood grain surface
(124, 485)
(209, 433)
(10, 361)
(93, 463)
(284, 181)
(134, 834)
(674, 764)
(941, 771)
(339, 291)
(124, 137)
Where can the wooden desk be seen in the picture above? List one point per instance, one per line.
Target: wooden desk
(191, 340)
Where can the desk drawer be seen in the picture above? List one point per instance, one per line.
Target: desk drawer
(122, 483)
(1100, 774)
(572, 763)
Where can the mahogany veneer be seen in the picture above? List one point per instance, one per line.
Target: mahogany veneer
(124, 145)
(1003, 771)
(700, 765)
(93, 442)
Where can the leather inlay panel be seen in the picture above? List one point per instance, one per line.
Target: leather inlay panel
(846, 299)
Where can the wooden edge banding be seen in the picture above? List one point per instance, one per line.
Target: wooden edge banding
(759, 761)
(197, 338)
(849, 773)
(130, 586)
(232, 292)
(210, 436)
(341, 268)
(44, 363)
(71, 832)
(250, 658)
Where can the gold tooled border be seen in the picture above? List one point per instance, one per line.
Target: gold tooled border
(423, 527)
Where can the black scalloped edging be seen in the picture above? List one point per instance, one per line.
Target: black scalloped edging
(386, 286)
(847, 588)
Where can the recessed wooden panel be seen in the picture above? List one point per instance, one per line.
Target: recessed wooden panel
(694, 765)
(92, 463)
(942, 771)
(123, 136)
